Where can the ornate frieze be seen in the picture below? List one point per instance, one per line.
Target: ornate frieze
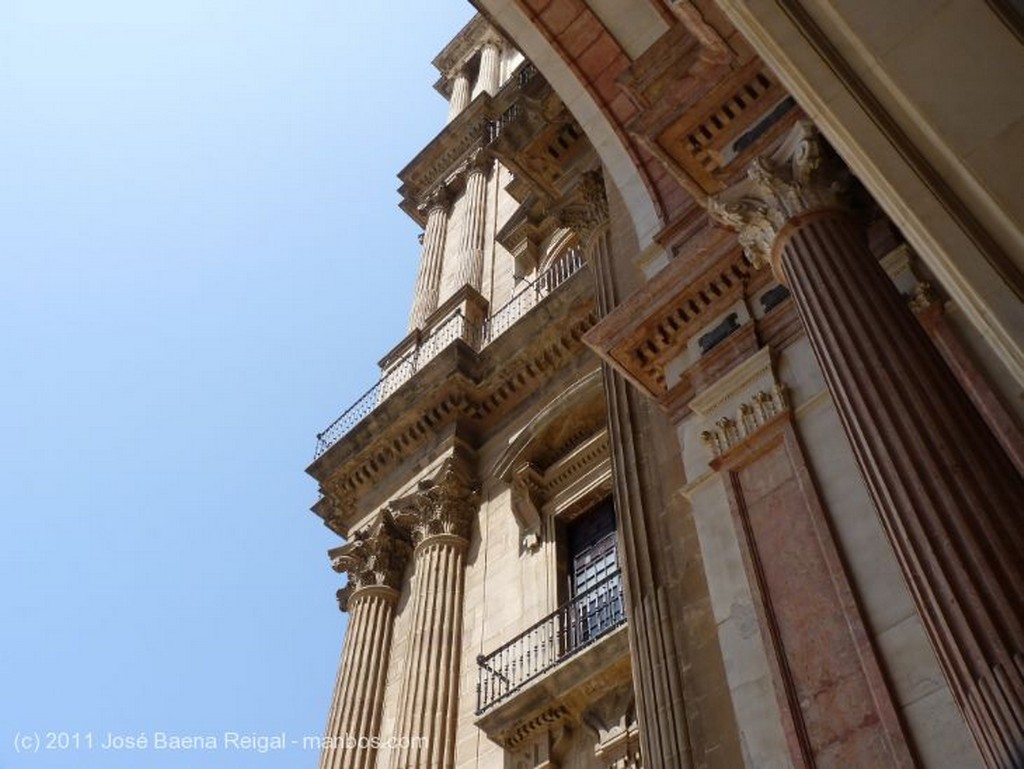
(800, 177)
(444, 504)
(751, 416)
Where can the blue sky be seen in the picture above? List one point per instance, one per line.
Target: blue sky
(201, 259)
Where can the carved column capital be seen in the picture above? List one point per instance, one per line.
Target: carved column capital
(801, 177)
(443, 505)
(480, 161)
(376, 556)
(439, 199)
(586, 210)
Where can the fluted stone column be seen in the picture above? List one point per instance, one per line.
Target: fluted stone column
(657, 666)
(471, 244)
(374, 560)
(490, 67)
(438, 518)
(459, 99)
(949, 499)
(428, 280)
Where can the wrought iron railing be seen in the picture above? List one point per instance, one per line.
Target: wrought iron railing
(394, 376)
(531, 292)
(454, 327)
(519, 81)
(572, 627)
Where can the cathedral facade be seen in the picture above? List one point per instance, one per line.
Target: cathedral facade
(703, 447)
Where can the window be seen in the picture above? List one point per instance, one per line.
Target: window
(594, 586)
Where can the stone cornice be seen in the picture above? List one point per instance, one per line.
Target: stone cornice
(442, 160)
(459, 388)
(462, 47)
(649, 329)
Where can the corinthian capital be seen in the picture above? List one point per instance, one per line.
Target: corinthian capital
(802, 176)
(445, 504)
(440, 198)
(586, 210)
(376, 555)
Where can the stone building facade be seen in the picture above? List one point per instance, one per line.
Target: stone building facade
(703, 447)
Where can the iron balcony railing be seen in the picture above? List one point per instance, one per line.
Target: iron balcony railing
(572, 627)
(440, 336)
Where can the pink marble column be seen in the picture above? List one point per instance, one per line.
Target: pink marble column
(948, 497)
(438, 518)
(428, 280)
(374, 561)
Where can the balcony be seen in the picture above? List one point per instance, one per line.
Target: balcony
(458, 322)
(571, 628)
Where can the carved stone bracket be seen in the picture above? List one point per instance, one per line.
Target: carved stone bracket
(375, 556)
(527, 485)
(613, 720)
(445, 504)
(802, 176)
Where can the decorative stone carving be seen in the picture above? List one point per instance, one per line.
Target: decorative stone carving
(526, 485)
(751, 416)
(376, 555)
(586, 212)
(439, 198)
(924, 297)
(801, 176)
(546, 720)
(338, 508)
(613, 720)
(445, 504)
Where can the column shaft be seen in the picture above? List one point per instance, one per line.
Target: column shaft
(471, 246)
(490, 68)
(948, 497)
(459, 99)
(657, 679)
(359, 692)
(428, 281)
(428, 715)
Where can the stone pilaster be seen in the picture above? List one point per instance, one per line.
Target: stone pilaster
(428, 281)
(471, 246)
(948, 497)
(657, 678)
(439, 519)
(490, 67)
(459, 99)
(374, 561)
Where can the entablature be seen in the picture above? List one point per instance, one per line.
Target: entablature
(693, 320)
(461, 386)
